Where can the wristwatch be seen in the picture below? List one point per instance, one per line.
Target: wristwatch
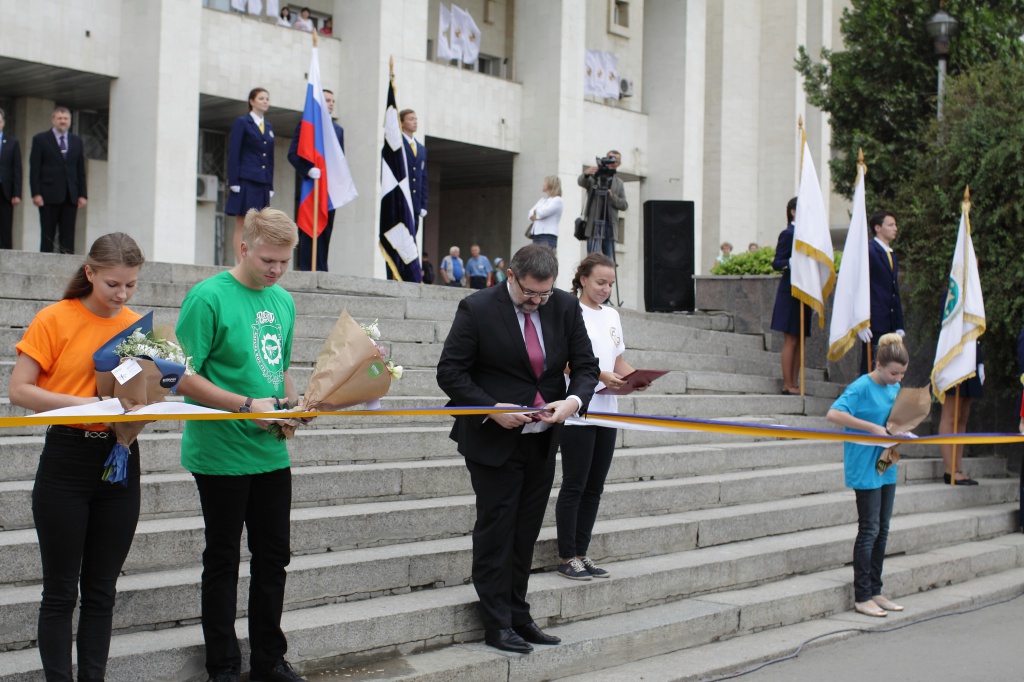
(247, 408)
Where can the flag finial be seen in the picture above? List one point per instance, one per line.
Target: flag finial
(860, 155)
(314, 37)
(967, 193)
(391, 66)
(800, 121)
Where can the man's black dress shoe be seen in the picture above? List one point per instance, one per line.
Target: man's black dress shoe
(506, 639)
(533, 634)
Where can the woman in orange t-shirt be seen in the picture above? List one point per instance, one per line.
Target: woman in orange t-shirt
(85, 525)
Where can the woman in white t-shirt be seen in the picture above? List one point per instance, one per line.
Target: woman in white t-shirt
(547, 213)
(587, 450)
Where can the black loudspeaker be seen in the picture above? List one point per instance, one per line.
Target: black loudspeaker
(668, 256)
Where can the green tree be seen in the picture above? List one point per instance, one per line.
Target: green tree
(880, 90)
(979, 143)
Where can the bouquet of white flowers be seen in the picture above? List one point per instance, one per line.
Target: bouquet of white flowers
(138, 367)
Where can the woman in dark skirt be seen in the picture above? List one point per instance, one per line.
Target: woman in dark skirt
(250, 164)
(786, 314)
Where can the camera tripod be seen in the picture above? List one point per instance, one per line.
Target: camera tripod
(601, 229)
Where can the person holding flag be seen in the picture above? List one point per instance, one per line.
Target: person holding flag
(884, 267)
(317, 153)
(963, 321)
(398, 223)
(851, 307)
(786, 316)
(306, 169)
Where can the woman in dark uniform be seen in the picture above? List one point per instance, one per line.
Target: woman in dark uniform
(786, 314)
(250, 164)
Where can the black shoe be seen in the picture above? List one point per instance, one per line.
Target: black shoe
(593, 569)
(967, 481)
(534, 635)
(574, 570)
(506, 639)
(225, 676)
(281, 672)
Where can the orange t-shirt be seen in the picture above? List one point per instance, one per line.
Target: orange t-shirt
(62, 338)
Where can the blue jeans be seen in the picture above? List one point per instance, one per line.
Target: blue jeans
(874, 509)
(550, 240)
(605, 246)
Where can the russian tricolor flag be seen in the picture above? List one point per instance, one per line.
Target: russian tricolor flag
(319, 145)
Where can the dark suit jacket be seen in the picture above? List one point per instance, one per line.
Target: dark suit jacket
(10, 167)
(417, 175)
(302, 166)
(886, 307)
(56, 177)
(484, 362)
(250, 152)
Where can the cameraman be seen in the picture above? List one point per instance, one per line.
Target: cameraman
(590, 180)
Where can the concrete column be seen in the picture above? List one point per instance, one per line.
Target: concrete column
(154, 125)
(675, 160)
(549, 56)
(32, 116)
(732, 124)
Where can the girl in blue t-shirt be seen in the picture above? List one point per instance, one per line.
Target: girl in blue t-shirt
(864, 408)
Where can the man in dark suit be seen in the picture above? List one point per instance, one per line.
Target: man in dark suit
(307, 170)
(10, 183)
(508, 347)
(416, 158)
(883, 269)
(57, 181)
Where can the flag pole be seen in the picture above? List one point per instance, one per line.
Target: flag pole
(956, 422)
(803, 143)
(316, 199)
(860, 162)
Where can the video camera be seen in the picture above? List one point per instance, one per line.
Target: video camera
(604, 172)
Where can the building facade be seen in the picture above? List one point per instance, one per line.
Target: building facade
(154, 86)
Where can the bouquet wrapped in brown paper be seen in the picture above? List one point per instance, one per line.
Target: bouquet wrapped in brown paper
(909, 409)
(350, 369)
(139, 367)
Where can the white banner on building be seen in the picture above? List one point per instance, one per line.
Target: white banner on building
(444, 24)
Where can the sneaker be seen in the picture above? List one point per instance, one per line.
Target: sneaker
(593, 569)
(574, 570)
(281, 672)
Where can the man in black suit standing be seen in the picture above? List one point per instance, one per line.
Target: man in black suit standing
(10, 183)
(508, 347)
(57, 181)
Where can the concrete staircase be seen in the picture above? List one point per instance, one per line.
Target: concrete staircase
(708, 536)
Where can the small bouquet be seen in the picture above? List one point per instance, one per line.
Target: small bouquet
(909, 409)
(138, 366)
(351, 368)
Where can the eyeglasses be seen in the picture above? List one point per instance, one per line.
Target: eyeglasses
(533, 294)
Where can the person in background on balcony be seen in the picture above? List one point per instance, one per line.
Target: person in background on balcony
(752, 247)
(786, 314)
(499, 272)
(56, 178)
(587, 450)
(726, 252)
(250, 164)
(305, 169)
(85, 525)
(864, 408)
(10, 184)
(547, 213)
(478, 268)
(304, 23)
(453, 273)
(285, 19)
(328, 28)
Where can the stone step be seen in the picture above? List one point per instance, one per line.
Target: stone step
(711, 594)
(767, 367)
(174, 494)
(724, 659)
(174, 542)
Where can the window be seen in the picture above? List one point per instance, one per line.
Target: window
(618, 17)
(94, 128)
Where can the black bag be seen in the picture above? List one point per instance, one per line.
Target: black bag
(581, 229)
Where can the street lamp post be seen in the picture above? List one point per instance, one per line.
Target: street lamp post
(941, 27)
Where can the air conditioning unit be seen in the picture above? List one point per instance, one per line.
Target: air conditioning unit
(206, 188)
(625, 87)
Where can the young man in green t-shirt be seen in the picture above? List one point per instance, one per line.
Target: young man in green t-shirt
(238, 327)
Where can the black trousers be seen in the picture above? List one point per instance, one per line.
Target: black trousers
(6, 222)
(85, 528)
(323, 243)
(586, 458)
(510, 503)
(54, 220)
(262, 503)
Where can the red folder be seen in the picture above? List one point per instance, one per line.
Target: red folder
(636, 379)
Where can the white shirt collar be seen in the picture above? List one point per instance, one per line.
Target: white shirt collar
(256, 118)
(883, 245)
(409, 138)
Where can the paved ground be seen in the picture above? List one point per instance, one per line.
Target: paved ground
(973, 647)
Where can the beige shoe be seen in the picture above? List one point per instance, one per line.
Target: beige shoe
(886, 604)
(869, 608)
